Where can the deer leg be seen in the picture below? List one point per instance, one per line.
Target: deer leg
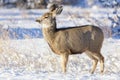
(101, 63)
(95, 61)
(94, 65)
(101, 59)
(64, 60)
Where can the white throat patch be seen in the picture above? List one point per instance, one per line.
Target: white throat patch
(45, 25)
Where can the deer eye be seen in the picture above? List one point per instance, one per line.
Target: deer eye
(46, 16)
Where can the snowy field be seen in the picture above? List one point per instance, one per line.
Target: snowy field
(31, 59)
(24, 55)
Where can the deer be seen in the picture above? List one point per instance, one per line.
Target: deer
(86, 39)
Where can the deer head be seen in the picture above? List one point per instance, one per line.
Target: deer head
(49, 18)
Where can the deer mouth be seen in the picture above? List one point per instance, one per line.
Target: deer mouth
(38, 20)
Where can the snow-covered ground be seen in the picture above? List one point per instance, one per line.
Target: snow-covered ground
(30, 58)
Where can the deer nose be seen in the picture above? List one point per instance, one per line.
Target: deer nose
(37, 20)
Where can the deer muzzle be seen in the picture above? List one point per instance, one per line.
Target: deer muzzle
(38, 20)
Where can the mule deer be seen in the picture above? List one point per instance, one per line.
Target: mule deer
(72, 40)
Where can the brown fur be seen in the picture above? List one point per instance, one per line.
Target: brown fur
(73, 40)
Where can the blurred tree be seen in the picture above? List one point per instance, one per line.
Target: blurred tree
(115, 21)
(110, 3)
(25, 3)
(66, 2)
(21, 3)
(40, 4)
(90, 2)
(43, 3)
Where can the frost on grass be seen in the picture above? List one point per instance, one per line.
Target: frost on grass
(34, 56)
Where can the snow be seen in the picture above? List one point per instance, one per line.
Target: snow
(30, 58)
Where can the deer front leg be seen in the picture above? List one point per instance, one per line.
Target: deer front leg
(64, 60)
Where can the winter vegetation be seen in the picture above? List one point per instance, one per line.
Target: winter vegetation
(25, 55)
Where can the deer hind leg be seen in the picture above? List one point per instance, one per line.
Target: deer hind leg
(64, 60)
(95, 61)
(101, 59)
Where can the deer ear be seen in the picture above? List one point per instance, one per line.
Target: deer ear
(52, 7)
(55, 8)
(59, 10)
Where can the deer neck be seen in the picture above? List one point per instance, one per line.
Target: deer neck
(49, 32)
